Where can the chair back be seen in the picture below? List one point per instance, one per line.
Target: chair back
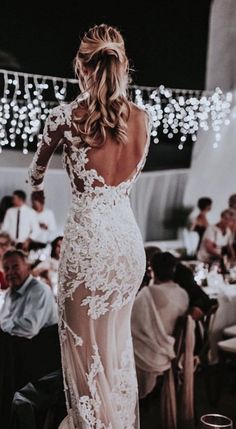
(177, 392)
(202, 346)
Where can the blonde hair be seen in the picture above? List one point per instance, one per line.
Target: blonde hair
(101, 65)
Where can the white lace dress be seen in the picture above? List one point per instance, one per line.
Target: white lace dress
(101, 267)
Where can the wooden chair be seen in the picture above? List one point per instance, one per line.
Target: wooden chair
(177, 405)
(202, 352)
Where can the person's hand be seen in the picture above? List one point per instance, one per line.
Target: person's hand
(25, 245)
(43, 226)
(196, 313)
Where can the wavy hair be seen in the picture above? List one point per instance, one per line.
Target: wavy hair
(102, 67)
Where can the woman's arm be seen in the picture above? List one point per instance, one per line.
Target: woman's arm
(212, 248)
(52, 134)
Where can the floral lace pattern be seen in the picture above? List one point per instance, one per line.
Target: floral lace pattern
(101, 268)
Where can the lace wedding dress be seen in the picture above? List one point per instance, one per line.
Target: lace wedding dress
(101, 268)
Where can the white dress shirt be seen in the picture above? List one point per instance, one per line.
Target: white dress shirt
(47, 217)
(28, 224)
(29, 309)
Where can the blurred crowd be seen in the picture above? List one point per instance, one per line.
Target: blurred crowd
(32, 230)
(29, 258)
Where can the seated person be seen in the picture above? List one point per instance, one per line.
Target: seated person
(48, 269)
(218, 239)
(154, 315)
(199, 301)
(5, 244)
(30, 403)
(29, 305)
(232, 206)
(148, 276)
(200, 223)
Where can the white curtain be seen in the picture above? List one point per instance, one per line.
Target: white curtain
(221, 58)
(213, 172)
(153, 197)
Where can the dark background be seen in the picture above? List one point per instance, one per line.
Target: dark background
(166, 42)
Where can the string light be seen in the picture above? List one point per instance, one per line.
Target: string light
(182, 112)
(26, 100)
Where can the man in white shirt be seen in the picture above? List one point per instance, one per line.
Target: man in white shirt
(29, 305)
(45, 217)
(20, 221)
(217, 238)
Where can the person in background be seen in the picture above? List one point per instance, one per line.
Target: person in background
(20, 221)
(155, 312)
(199, 301)
(48, 270)
(5, 244)
(32, 401)
(200, 223)
(29, 305)
(5, 204)
(232, 206)
(171, 299)
(217, 239)
(46, 218)
(232, 202)
(148, 276)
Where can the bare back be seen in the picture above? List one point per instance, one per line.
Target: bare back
(117, 162)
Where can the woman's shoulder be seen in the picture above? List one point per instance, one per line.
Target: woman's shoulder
(139, 111)
(140, 117)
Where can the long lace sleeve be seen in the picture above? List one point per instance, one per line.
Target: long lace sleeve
(52, 135)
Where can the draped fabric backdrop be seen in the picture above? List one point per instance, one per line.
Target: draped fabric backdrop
(221, 58)
(213, 171)
(154, 195)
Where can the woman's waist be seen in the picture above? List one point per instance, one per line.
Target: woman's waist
(99, 203)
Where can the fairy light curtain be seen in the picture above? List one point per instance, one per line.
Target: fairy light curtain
(26, 99)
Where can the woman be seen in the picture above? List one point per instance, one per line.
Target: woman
(105, 139)
(200, 223)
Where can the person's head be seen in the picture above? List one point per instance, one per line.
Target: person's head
(149, 251)
(56, 247)
(38, 200)
(5, 243)
(204, 204)
(232, 201)
(5, 204)
(228, 218)
(16, 267)
(163, 265)
(102, 67)
(18, 198)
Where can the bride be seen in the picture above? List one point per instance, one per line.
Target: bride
(105, 141)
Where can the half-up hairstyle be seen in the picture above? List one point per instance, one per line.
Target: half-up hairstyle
(102, 66)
